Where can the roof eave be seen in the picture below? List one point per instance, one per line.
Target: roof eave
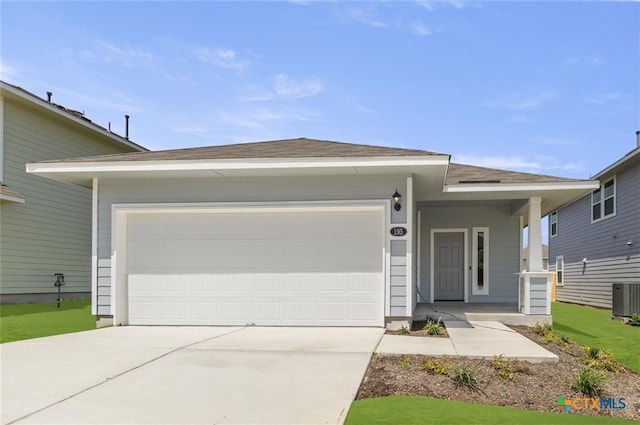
(611, 169)
(233, 164)
(518, 187)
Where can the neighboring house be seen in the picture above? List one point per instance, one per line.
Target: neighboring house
(595, 240)
(308, 232)
(45, 226)
(545, 257)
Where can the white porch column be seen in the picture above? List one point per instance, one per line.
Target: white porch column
(534, 260)
(534, 295)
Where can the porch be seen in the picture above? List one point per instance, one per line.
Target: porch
(459, 314)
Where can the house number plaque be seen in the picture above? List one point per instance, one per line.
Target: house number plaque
(398, 231)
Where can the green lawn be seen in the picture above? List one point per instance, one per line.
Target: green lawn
(423, 411)
(26, 321)
(594, 327)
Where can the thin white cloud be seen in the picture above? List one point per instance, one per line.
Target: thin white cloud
(285, 86)
(418, 28)
(429, 5)
(466, 4)
(125, 104)
(126, 55)
(8, 72)
(103, 52)
(365, 17)
(364, 109)
(521, 103)
(518, 118)
(223, 58)
(264, 117)
(556, 141)
(585, 60)
(603, 98)
(282, 86)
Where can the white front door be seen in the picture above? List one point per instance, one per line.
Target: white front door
(289, 266)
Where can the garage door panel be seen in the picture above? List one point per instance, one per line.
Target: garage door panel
(299, 268)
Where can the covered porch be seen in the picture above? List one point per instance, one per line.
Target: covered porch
(459, 313)
(470, 240)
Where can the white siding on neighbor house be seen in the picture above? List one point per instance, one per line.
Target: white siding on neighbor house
(51, 231)
(603, 244)
(504, 245)
(220, 190)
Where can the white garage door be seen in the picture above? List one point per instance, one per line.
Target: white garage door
(293, 266)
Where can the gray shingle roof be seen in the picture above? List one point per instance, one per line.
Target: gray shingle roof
(290, 148)
(461, 174)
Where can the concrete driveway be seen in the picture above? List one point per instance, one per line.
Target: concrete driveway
(186, 375)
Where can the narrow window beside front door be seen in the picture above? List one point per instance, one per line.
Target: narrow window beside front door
(480, 261)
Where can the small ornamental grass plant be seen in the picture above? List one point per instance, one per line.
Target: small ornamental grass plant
(590, 382)
(403, 330)
(465, 376)
(549, 336)
(433, 327)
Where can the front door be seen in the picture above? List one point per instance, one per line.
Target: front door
(449, 266)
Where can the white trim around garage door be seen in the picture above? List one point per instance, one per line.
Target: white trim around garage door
(120, 212)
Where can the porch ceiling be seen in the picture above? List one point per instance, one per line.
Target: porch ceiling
(553, 196)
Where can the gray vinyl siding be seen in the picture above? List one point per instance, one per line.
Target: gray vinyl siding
(51, 231)
(504, 246)
(603, 244)
(273, 189)
(398, 278)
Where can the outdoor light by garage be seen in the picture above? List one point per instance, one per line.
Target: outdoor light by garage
(396, 199)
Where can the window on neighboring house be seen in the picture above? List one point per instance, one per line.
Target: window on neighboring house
(480, 261)
(603, 200)
(553, 223)
(560, 270)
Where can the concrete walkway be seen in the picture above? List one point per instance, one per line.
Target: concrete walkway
(473, 339)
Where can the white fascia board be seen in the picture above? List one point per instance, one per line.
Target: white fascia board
(518, 187)
(232, 164)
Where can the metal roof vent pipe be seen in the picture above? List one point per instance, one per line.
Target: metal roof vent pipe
(126, 127)
(638, 139)
(49, 94)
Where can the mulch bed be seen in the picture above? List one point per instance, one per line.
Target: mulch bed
(536, 386)
(417, 329)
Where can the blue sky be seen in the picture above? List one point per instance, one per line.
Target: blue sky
(544, 87)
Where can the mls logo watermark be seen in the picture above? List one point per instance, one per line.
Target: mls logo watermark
(590, 403)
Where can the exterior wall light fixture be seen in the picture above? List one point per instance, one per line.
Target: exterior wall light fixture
(396, 199)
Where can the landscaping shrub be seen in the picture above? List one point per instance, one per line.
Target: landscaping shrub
(599, 359)
(437, 366)
(433, 327)
(590, 382)
(465, 376)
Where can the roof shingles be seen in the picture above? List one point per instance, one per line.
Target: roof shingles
(469, 174)
(290, 148)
